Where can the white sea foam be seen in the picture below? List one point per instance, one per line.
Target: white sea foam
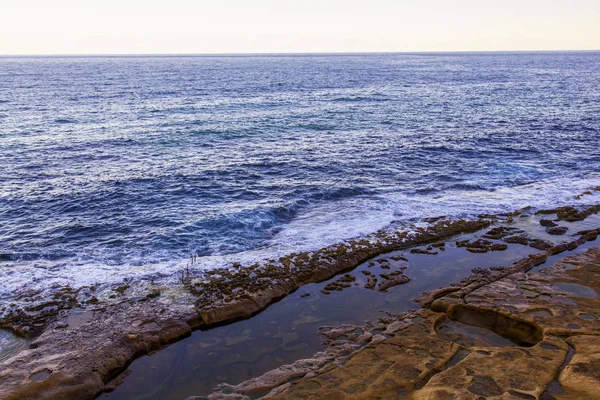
(315, 228)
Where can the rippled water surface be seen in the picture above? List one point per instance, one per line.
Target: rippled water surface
(117, 167)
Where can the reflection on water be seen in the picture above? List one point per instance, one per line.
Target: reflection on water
(471, 336)
(287, 330)
(576, 290)
(10, 344)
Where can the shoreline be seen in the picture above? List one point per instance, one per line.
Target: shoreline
(305, 234)
(451, 349)
(82, 357)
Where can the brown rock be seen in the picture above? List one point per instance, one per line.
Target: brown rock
(547, 222)
(557, 230)
(393, 281)
(581, 377)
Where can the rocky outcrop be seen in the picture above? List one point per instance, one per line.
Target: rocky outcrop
(77, 360)
(505, 337)
(237, 294)
(437, 299)
(76, 357)
(571, 214)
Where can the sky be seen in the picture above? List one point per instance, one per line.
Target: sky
(295, 26)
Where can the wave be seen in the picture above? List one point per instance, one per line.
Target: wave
(305, 228)
(249, 162)
(368, 99)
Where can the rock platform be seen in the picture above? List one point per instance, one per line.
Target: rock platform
(522, 336)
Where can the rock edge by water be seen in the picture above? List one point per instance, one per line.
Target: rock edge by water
(78, 360)
(555, 330)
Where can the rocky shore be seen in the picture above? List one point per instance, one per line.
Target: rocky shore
(79, 340)
(549, 321)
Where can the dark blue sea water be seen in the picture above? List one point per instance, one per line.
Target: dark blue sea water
(118, 167)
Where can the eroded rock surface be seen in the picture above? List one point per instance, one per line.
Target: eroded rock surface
(76, 362)
(232, 295)
(76, 354)
(516, 333)
(581, 376)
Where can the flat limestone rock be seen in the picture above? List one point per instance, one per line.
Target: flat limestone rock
(538, 318)
(77, 362)
(395, 364)
(558, 301)
(561, 299)
(495, 373)
(581, 377)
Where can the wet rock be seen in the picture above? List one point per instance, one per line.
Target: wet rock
(121, 289)
(423, 251)
(477, 279)
(540, 244)
(392, 280)
(153, 293)
(341, 284)
(128, 328)
(589, 235)
(526, 240)
(273, 378)
(580, 195)
(562, 307)
(476, 250)
(39, 309)
(393, 365)
(547, 223)
(557, 230)
(371, 283)
(571, 214)
(340, 342)
(481, 371)
(518, 239)
(481, 246)
(495, 372)
(499, 232)
(241, 293)
(412, 357)
(559, 248)
(82, 358)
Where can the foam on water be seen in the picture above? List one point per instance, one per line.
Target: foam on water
(120, 168)
(312, 230)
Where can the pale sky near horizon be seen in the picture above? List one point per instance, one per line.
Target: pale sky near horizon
(293, 26)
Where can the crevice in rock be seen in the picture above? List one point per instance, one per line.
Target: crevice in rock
(520, 395)
(554, 387)
(460, 354)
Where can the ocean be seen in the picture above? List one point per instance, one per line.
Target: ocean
(120, 168)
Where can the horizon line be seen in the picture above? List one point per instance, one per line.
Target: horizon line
(226, 54)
